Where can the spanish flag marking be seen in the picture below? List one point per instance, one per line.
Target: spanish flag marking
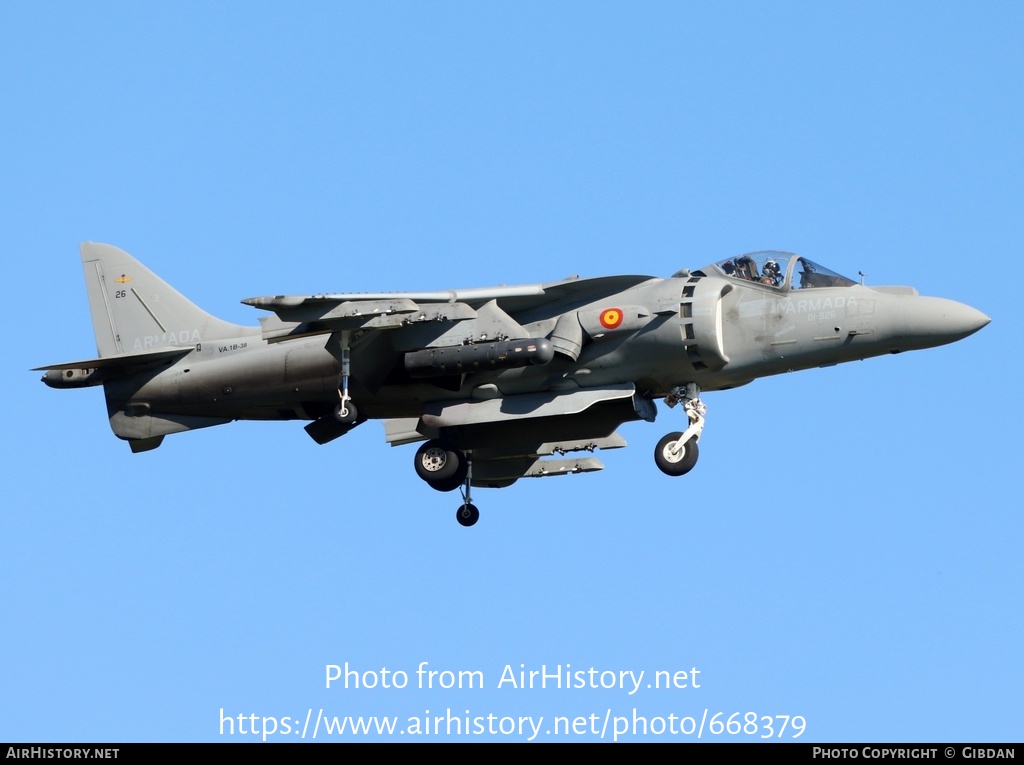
(611, 318)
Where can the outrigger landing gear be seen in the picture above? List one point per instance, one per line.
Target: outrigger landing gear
(467, 515)
(677, 453)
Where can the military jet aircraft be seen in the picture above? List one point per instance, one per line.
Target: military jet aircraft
(499, 383)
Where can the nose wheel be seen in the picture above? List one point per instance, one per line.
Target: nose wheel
(676, 453)
(673, 456)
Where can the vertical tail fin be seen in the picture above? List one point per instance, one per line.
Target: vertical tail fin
(134, 310)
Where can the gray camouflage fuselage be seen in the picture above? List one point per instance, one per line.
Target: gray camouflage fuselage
(508, 374)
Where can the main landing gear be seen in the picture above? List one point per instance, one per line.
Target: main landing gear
(345, 412)
(447, 469)
(677, 453)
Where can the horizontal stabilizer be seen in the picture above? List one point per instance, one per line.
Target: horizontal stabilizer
(124, 360)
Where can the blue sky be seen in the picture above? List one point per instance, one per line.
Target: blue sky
(848, 548)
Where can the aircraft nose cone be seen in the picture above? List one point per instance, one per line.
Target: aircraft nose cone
(936, 321)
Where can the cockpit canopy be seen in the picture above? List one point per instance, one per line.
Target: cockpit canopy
(783, 270)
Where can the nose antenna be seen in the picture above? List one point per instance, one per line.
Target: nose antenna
(861, 278)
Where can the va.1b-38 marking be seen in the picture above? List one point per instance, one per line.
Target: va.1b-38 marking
(500, 383)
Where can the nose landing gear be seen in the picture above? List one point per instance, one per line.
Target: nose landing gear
(677, 453)
(467, 515)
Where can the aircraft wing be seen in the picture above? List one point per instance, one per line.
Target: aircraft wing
(303, 315)
(501, 466)
(509, 437)
(438, 333)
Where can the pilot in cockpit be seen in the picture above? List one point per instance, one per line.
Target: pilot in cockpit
(771, 274)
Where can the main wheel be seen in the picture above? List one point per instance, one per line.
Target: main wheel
(467, 515)
(447, 484)
(435, 463)
(672, 462)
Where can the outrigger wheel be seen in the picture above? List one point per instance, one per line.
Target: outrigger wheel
(467, 514)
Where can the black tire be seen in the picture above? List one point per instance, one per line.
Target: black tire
(350, 416)
(435, 463)
(448, 484)
(467, 515)
(679, 464)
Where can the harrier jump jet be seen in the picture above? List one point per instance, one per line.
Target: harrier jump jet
(499, 383)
